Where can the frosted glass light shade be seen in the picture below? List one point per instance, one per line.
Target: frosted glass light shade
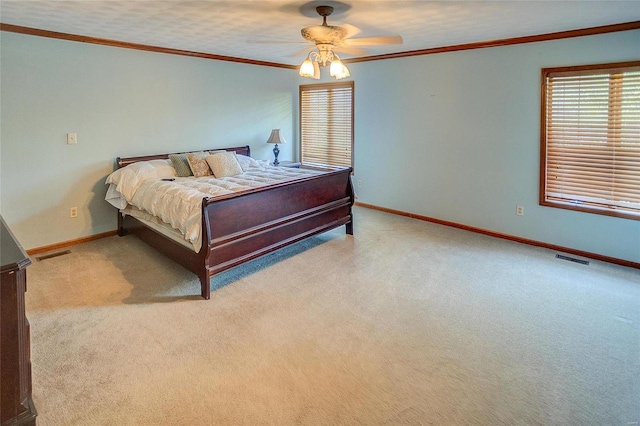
(344, 73)
(306, 69)
(336, 68)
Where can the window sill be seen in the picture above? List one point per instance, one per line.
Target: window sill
(594, 209)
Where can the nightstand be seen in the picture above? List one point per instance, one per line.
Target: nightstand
(292, 164)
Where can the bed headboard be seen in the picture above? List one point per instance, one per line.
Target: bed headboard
(124, 161)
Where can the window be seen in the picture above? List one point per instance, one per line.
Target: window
(590, 148)
(326, 123)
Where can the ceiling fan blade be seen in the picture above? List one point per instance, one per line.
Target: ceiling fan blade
(351, 30)
(349, 50)
(368, 41)
(301, 52)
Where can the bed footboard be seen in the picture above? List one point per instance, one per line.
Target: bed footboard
(243, 227)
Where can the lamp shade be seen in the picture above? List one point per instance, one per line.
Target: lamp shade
(275, 137)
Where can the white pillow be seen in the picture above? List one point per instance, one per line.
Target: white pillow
(145, 170)
(128, 179)
(224, 164)
(164, 168)
(246, 162)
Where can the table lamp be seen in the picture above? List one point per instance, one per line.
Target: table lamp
(276, 138)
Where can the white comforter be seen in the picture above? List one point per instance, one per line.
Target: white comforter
(179, 202)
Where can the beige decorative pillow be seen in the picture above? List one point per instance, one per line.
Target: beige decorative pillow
(198, 164)
(224, 164)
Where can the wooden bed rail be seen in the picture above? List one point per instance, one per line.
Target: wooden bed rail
(125, 161)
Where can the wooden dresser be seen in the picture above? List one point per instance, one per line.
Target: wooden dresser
(16, 405)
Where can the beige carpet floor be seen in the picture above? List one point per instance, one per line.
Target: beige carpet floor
(407, 323)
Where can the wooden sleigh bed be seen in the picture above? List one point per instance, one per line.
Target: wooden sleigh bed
(243, 226)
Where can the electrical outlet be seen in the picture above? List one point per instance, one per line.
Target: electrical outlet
(520, 210)
(73, 212)
(359, 183)
(72, 138)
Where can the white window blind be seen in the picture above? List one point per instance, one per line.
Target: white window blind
(326, 124)
(591, 139)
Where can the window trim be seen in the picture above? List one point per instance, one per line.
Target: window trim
(584, 207)
(318, 86)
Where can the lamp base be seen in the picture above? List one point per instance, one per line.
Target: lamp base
(276, 151)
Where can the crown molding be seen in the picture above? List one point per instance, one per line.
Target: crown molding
(126, 45)
(627, 26)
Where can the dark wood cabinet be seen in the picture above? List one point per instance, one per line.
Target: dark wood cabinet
(16, 405)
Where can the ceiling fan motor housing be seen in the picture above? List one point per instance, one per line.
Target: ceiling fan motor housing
(324, 34)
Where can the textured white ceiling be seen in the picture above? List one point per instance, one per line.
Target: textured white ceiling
(232, 28)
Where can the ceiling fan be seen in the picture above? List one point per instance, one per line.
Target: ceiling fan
(330, 39)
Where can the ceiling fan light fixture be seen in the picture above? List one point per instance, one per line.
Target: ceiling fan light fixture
(327, 37)
(310, 68)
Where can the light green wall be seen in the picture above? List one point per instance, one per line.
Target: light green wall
(456, 136)
(120, 102)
